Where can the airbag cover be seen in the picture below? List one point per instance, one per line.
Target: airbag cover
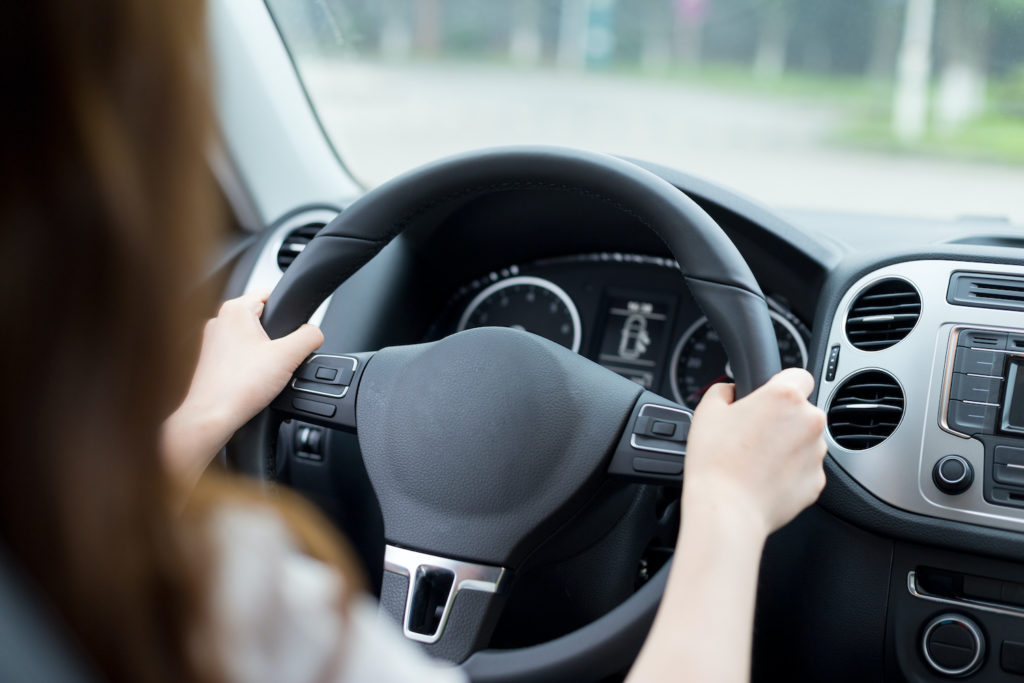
(479, 444)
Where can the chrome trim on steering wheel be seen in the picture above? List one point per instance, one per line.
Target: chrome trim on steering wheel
(468, 576)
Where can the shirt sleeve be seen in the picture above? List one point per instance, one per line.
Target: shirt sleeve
(277, 615)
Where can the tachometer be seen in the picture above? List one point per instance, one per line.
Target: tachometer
(699, 359)
(526, 303)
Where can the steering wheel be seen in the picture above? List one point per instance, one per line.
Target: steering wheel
(480, 445)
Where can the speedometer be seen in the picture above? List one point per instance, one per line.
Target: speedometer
(699, 359)
(526, 303)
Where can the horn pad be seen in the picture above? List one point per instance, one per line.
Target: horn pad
(481, 442)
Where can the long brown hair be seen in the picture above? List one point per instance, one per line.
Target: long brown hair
(107, 213)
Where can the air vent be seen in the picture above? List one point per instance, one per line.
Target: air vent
(295, 242)
(865, 410)
(986, 290)
(883, 314)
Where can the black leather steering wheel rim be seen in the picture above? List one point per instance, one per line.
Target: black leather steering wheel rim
(715, 272)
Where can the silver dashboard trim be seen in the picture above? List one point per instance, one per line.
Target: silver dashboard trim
(964, 603)
(947, 384)
(468, 576)
(265, 272)
(898, 471)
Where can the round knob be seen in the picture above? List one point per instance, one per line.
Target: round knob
(953, 474)
(953, 645)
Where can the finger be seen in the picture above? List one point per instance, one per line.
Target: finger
(722, 393)
(798, 378)
(299, 344)
(818, 421)
(262, 294)
(244, 310)
(254, 301)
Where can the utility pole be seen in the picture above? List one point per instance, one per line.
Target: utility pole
(572, 34)
(910, 101)
(524, 45)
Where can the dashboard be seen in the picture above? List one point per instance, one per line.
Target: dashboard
(627, 312)
(913, 329)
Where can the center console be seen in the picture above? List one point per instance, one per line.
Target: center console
(923, 384)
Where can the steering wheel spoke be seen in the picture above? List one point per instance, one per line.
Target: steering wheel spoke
(652, 447)
(323, 390)
(448, 605)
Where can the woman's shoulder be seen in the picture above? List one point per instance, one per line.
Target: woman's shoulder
(281, 616)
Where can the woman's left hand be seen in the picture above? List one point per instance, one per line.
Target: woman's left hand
(240, 371)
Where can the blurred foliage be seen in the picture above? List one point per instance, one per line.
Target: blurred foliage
(990, 138)
(1007, 94)
(841, 51)
(823, 36)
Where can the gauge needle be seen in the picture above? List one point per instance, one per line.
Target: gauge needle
(703, 390)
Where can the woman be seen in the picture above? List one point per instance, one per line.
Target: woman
(108, 212)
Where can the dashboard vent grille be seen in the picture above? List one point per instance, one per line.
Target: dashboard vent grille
(295, 242)
(865, 410)
(883, 314)
(986, 290)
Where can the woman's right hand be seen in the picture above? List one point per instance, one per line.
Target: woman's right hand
(762, 454)
(751, 466)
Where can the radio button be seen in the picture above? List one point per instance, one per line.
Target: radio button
(953, 475)
(979, 362)
(1008, 474)
(975, 388)
(972, 418)
(982, 339)
(1009, 455)
(953, 645)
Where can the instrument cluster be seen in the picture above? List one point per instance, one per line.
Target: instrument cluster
(630, 313)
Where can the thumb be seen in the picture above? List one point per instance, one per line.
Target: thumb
(294, 348)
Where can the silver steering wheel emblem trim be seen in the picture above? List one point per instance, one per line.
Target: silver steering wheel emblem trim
(468, 576)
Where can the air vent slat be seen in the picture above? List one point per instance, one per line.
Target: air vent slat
(865, 410)
(883, 315)
(890, 296)
(885, 318)
(1000, 287)
(875, 345)
(999, 296)
(295, 243)
(986, 290)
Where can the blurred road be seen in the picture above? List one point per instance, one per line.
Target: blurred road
(387, 118)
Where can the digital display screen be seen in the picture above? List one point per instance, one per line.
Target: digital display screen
(635, 336)
(1013, 406)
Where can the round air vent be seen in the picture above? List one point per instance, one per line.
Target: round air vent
(865, 410)
(883, 314)
(295, 242)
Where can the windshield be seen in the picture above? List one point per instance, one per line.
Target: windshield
(901, 107)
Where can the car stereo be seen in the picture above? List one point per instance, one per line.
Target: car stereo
(983, 398)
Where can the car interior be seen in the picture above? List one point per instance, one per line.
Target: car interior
(516, 338)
